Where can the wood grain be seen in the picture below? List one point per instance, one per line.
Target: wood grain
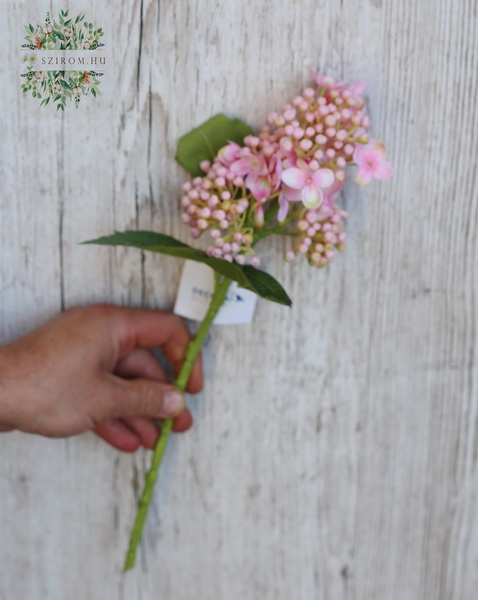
(335, 449)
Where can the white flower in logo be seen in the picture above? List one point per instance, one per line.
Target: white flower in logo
(68, 32)
(56, 88)
(29, 60)
(76, 91)
(39, 75)
(47, 29)
(86, 44)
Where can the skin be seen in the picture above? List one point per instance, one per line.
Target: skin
(92, 369)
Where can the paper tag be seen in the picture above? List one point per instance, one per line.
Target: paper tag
(196, 289)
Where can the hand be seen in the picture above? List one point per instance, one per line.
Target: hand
(92, 369)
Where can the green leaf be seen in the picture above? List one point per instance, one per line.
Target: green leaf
(248, 277)
(31, 27)
(205, 141)
(93, 91)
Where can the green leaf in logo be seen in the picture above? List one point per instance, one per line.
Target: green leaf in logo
(204, 142)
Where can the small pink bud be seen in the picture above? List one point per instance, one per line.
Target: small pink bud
(311, 216)
(303, 248)
(185, 201)
(255, 261)
(224, 224)
(302, 225)
(219, 215)
(288, 130)
(220, 182)
(187, 186)
(330, 152)
(320, 139)
(348, 149)
(286, 144)
(205, 212)
(204, 196)
(290, 256)
(204, 165)
(271, 118)
(215, 233)
(186, 218)
(202, 224)
(310, 132)
(240, 259)
(341, 162)
(235, 247)
(330, 132)
(308, 93)
(289, 115)
(340, 175)
(225, 195)
(298, 133)
(193, 194)
(306, 144)
(314, 165)
(197, 180)
(238, 181)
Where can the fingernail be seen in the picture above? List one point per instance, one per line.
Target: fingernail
(173, 403)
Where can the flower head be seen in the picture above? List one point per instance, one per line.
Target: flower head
(371, 162)
(311, 182)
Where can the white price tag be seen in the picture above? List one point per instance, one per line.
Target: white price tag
(196, 289)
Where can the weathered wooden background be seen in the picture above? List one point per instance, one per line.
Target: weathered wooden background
(334, 454)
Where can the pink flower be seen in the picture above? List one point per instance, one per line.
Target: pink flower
(253, 165)
(329, 83)
(371, 162)
(229, 153)
(310, 183)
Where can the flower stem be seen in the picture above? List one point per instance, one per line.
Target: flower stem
(220, 291)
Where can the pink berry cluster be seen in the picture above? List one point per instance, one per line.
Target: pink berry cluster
(296, 167)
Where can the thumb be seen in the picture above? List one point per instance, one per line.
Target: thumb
(145, 398)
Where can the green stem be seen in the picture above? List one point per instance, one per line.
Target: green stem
(220, 291)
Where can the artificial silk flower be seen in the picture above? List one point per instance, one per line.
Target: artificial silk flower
(283, 180)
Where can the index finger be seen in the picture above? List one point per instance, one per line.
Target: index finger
(143, 328)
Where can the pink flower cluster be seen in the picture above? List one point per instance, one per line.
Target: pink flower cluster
(297, 161)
